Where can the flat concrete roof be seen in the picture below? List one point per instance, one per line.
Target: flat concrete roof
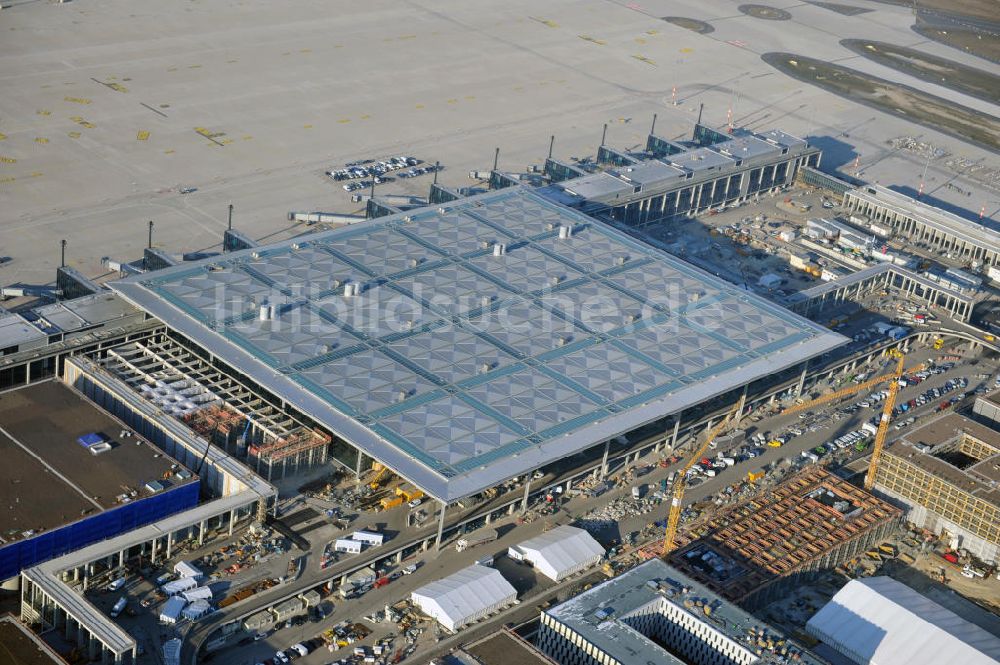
(48, 478)
(459, 368)
(23, 647)
(936, 218)
(979, 479)
(601, 615)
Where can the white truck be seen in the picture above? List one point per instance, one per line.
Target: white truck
(475, 538)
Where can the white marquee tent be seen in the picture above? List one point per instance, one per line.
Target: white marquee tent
(464, 597)
(559, 553)
(879, 621)
(170, 613)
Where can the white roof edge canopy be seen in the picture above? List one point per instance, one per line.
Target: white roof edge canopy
(493, 362)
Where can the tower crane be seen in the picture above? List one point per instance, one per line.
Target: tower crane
(883, 425)
(890, 403)
(674, 518)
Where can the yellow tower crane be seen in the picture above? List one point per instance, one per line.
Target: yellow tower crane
(674, 518)
(890, 402)
(883, 425)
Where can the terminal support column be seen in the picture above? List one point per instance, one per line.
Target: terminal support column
(604, 461)
(802, 379)
(677, 429)
(524, 501)
(742, 404)
(437, 542)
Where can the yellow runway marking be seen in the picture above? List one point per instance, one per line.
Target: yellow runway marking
(226, 141)
(37, 174)
(142, 135)
(687, 50)
(229, 62)
(43, 112)
(544, 21)
(652, 32)
(74, 135)
(118, 86)
(77, 100)
(365, 116)
(344, 121)
(305, 50)
(401, 38)
(41, 139)
(2, 137)
(643, 58)
(194, 66)
(640, 40)
(169, 152)
(171, 69)
(307, 126)
(419, 106)
(453, 101)
(9, 178)
(470, 97)
(8, 160)
(247, 137)
(592, 40)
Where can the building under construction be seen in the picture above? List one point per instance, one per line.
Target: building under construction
(217, 408)
(812, 522)
(945, 474)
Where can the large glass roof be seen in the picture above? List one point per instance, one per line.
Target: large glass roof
(459, 364)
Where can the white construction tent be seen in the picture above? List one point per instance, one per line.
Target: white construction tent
(465, 597)
(179, 585)
(879, 621)
(559, 553)
(185, 569)
(198, 593)
(170, 613)
(172, 652)
(196, 610)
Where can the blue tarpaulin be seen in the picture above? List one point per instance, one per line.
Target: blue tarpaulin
(88, 440)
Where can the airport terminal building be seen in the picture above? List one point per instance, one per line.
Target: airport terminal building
(460, 346)
(467, 344)
(669, 179)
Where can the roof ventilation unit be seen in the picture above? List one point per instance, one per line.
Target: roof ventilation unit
(266, 312)
(255, 255)
(499, 249)
(352, 289)
(565, 232)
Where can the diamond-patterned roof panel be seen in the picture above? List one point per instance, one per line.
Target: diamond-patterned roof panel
(454, 364)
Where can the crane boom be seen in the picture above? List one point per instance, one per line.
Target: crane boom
(883, 426)
(850, 390)
(674, 517)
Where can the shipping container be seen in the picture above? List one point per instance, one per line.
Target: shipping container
(476, 538)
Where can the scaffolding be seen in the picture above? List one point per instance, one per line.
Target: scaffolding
(811, 522)
(309, 444)
(216, 407)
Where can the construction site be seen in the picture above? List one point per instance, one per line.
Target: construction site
(217, 408)
(810, 523)
(93, 478)
(945, 475)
